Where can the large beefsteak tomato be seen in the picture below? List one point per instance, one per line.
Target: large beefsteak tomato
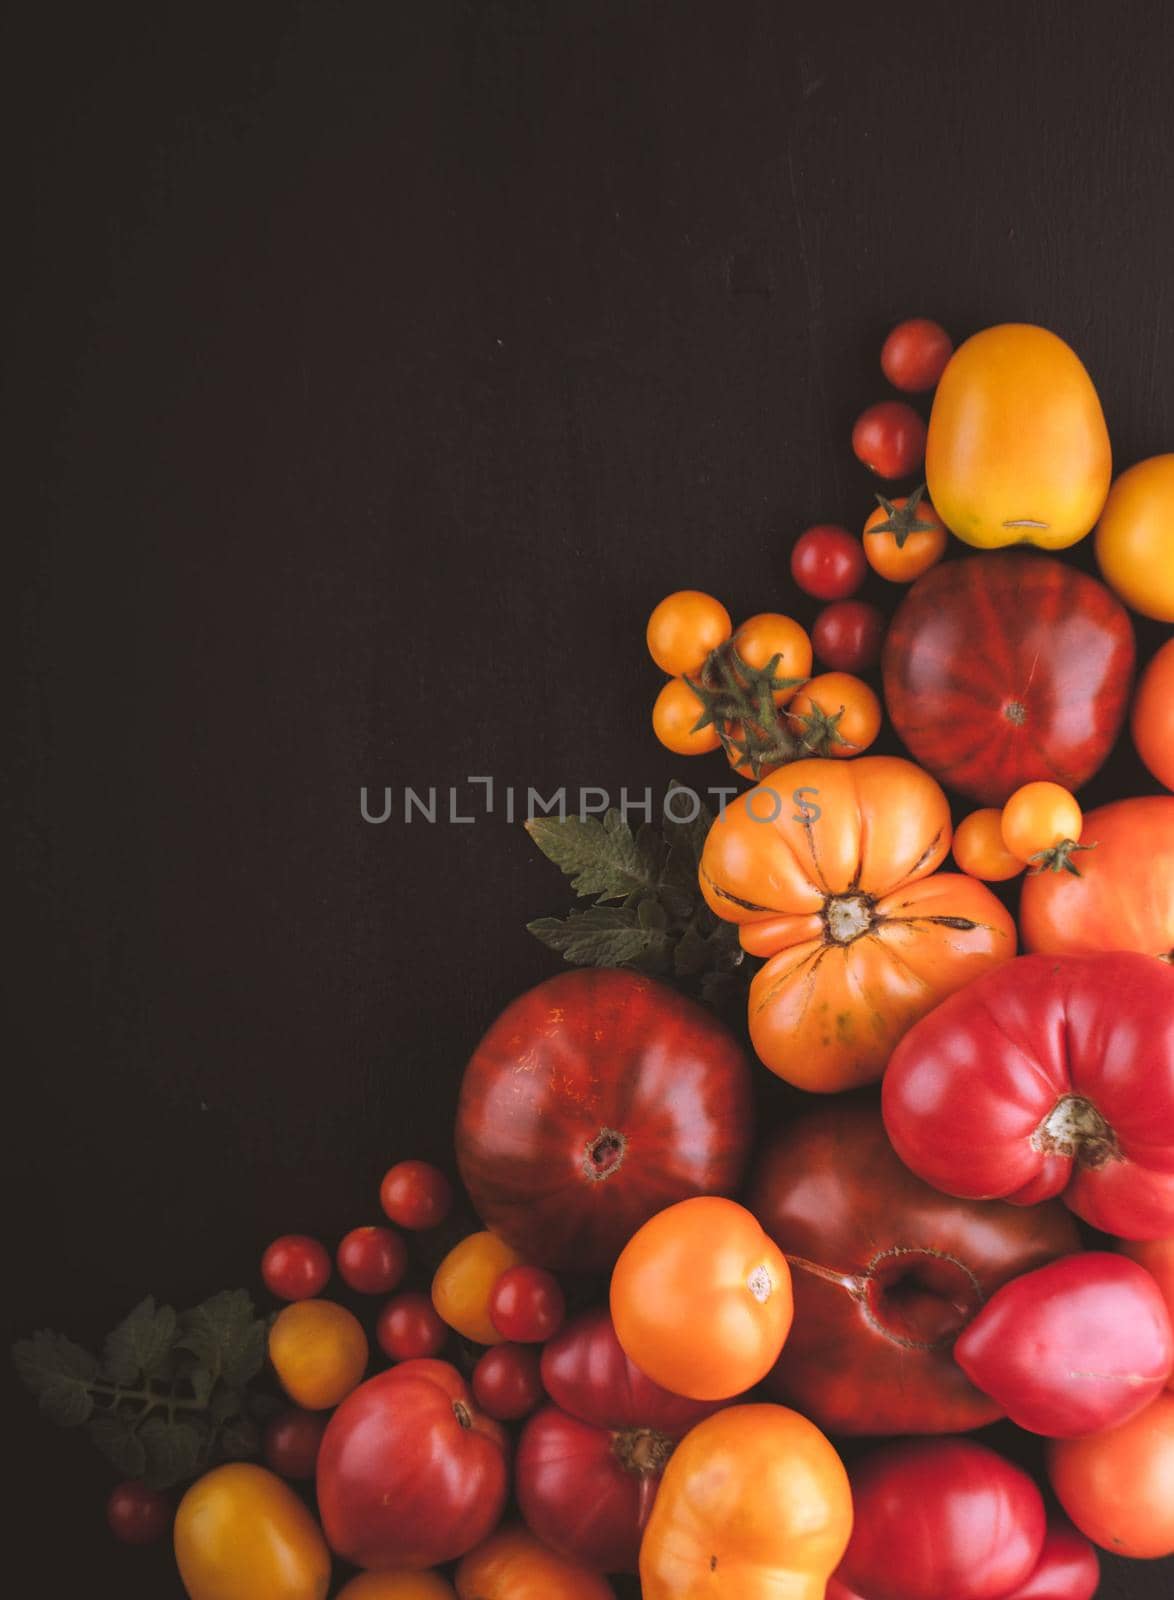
(1003, 669)
(592, 1102)
(828, 868)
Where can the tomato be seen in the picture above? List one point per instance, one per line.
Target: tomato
(941, 1517)
(675, 714)
(886, 1272)
(372, 1260)
(754, 1505)
(827, 562)
(889, 439)
(319, 1351)
(1135, 538)
(914, 355)
(1000, 669)
(291, 1443)
(409, 1328)
(847, 636)
(1067, 1569)
(763, 638)
(506, 1382)
(701, 1299)
(1041, 824)
(835, 714)
(594, 1100)
(514, 1565)
(1118, 1486)
(683, 629)
(415, 1195)
(1124, 897)
(464, 1281)
(398, 1586)
(295, 1267)
(527, 1305)
(136, 1514)
(1157, 1257)
(1053, 1075)
(904, 537)
(587, 1373)
(411, 1473)
(1074, 1347)
(979, 848)
(241, 1533)
(1151, 720)
(1018, 451)
(826, 867)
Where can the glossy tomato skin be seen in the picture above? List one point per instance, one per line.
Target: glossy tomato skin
(241, 1533)
(914, 355)
(941, 1517)
(295, 1267)
(513, 1565)
(463, 1284)
(409, 1328)
(372, 1260)
(1118, 1486)
(1068, 1568)
(889, 439)
(398, 1586)
(886, 1271)
(586, 1372)
(507, 1382)
(1052, 1076)
(1151, 719)
(136, 1514)
(415, 1194)
(827, 562)
(1157, 1257)
(593, 1101)
(291, 1443)
(527, 1305)
(848, 635)
(1135, 538)
(411, 1473)
(1001, 669)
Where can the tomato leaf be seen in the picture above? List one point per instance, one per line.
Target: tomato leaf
(601, 858)
(173, 1450)
(114, 1435)
(225, 1336)
(603, 936)
(59, 1373)
(141, 1343)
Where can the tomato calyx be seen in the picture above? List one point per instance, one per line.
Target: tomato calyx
(1058, 858)
(738, 701)
(901, 521)
(1075, 1129)
(604, 1154)
(819, 732)
(846, 917)
(642, 1451)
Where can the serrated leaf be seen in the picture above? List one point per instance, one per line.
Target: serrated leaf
(600, 858)
(172, 1451)
(115, 1437)
(226, 1403)
(240, 1439)
(225, 1335)
(49, 1357)
(692, 954)
(141, 1343)
(66, 1401)
(651, 914)
(603, 936)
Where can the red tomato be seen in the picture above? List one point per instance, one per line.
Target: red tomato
(527, 1305)
(136, 1514)
(1118, 1486)
(291, 1442)
(411, 1473)
(586, 1372)
(1050, 1075)
(507, 1383)
(1157, 1257)
(1151, 717)
(914, 355)
(415, 1195)
(594, 1101)
(410, 1328)
(372, 1260)
(295, 1267)
(848, 636)
(1068, 1568)
(827, 562)
(889, 438)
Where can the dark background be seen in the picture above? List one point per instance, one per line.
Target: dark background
(372, 370)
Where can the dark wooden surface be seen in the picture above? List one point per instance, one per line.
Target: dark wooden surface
(371, 372)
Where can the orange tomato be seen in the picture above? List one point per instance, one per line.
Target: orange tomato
(513, 1565)
(1135, 538)
(1151, 720)
(674, 718)
(835, 714)
(979, 848)
(701, 1299)
(241, 1533)
(683, 629)
(1041, 823)
(1118, 1486)
(826, 867)
(398, 1586)
(464, 1281)
(761, 638)
(754, 1505)
(904, 537)
(1157, 1257)
(319, 1352)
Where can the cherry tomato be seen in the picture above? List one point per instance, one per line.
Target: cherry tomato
(1118, 1486)
(904, 537)
(1151, 719)
(762, 638)
(1041, 824)
(827, 562)
(409, 1329)
(979, 848)
(291, 1440)
(683, 629)
(835, 715)
(914, 355)
(848, 636)
(527, 1305)
(319, 1351)
(415, 1194)
(398, 1586)
(136, 1514)
(675, 713)
(372, 1260)
(464, 1282)
(507, 1382)
(295, 1267)
(889, 439)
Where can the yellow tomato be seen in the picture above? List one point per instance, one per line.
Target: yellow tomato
(464, 1281)
(1041, 823)
(240, 1534)
(1135, 538)
(979, 849)
(513, 1565)
(319, 1351)
(675, 713)
(398, 1586)
(683, 629)
(1018, 451)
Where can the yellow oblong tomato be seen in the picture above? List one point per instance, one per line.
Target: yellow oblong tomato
(754, 1505)
(513, 1565)
(241, 1533)
(319, 1352)
(828, 869)
(1135, 538)
(1018, 451)
(464, 1281)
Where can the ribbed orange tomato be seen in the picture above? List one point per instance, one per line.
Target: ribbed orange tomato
(513, 1565)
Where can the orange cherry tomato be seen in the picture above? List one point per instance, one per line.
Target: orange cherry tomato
(701, 1299)
(674, 721)
(1157, 1257)
(835, 714)
(319, 1352)
(979, 848)
(1041, 824)
(398, 1586)
(1135, 538)
(761, 638)
(1151, 720)
(513, 1565)
(904, 537)
(1118, 1486)
(464, 1281)
(683, 629)
(241, 1533)
(754, 1505)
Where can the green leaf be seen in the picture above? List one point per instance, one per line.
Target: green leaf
(47, 1358)
(226, 1403)
(241, 1439)
(600, 858)
(172, 1451)
(225, 1336)
(604, 936)
(141, 1343)
(115, 1437)
(202, 1383)
(66, 1401)
(692, 954)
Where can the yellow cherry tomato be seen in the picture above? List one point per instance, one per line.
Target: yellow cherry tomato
(683, 629)
(398, 1586)
(1041, 823)
(319, 1351)
(674, 718)
(242, 1534)
(904, 537)
(1018, 451)
(464, 1281)
(979, 849)
(835, 714)
(769, 634)
(1135, 538)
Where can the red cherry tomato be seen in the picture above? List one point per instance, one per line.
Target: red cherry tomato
(914, 355)
(828, 562)
(290, 1444)
(409, 1328)
(372, 1260)
(527, 1305)
(295, 1267)
(136, 1514)
(889, 439)
(415, 1194)
(507, 1382)
(848, 636)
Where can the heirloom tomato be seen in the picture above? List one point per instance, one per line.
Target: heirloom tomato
(676, 712)
(463, 1285)
(593, 1101)
(1151, 720)
(1004, 668)
(754, 1505)
(1157, 1257)
(398, 1586)
(835, 715)
(514, 1565)
(241, 1533)
(683, 629)
(904, 537)
(979, 848)
(1135, 538)
(889, 439)
(828, 868)
(1018, 451)
(319, 1352)
(1118, 1486)
(914, 355)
